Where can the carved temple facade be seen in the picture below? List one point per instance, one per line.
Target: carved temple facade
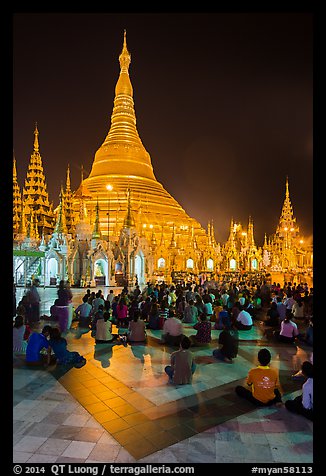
(121, 226)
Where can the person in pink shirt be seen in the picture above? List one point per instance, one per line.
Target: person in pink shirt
(289, 329)
(122, 313)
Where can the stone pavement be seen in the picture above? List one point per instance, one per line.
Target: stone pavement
(119, 407)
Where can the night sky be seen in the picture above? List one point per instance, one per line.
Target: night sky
(223, 103)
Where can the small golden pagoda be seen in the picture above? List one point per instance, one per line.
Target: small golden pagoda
(35, 196)
(17, 201)
(122, 163)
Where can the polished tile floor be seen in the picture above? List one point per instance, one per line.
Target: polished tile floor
(120, 408)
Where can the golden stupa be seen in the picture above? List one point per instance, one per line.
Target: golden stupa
(122, 163)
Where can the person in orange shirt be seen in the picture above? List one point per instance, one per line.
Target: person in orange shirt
(263, 382)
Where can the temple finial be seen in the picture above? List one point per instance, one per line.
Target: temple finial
(36, 144)
(125, 57)
(68, 179)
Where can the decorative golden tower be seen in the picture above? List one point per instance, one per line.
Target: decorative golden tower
(60, 226)
(17, 201)
(35, 195)
(123, 163)
(287, 228)
(68, 209)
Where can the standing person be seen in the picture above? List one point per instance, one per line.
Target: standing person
(36, 343)
(263, 382)
(182, 366)
(122, 313)
(34, 300)
(110, 297)
(229, 343)
(303, 404)
(65, 303)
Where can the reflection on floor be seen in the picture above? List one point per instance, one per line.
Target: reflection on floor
(119, 407)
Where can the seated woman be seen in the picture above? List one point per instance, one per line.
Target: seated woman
(307, 336)
(182, 366)
(19, 342)
(103, 330)
(154, 316)
(59, 346)
(273, 319)
(204, 329)
(289, 330)
(190, 314)
(136, 329)
(228, 341)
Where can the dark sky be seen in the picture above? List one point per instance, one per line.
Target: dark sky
(223, 104)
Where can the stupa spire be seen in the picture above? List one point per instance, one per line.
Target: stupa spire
(96, 230)
(35, 193)
(287, 222)
(129, 220)
(60, 226)
(17, 200)
(36, 144)
(122, 150)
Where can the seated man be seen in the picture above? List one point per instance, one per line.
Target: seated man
(172, 330)
(263, 382)
(244, 321)
(303, 404)
(190, 314)
(83, 312)
(36, 343)
(182, 364)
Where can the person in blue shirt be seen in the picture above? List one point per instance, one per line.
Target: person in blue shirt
(59, 346)
(36, 343)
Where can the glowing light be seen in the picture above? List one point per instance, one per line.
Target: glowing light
(286, 228)
(151, 226)
(109, 187)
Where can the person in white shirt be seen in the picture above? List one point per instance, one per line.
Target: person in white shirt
(244, 321)
(297, 309)
(172, 330)
(225, 298)
(103, 330)
(303, 404)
